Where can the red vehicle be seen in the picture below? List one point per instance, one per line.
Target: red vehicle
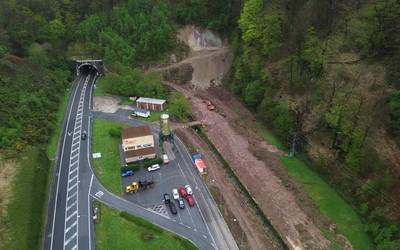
(182, 191)
(190, 200)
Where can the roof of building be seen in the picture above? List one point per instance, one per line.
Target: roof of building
(139, 152)
(135, 132)
(150, 100)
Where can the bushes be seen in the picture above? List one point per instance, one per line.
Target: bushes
(115, 132)
(179, 106)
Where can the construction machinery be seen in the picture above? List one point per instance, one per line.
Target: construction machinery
(137, 185)
(209, 104)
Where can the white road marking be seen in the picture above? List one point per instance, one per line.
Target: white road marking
(99, 194)
(59, 169)
(73, 175)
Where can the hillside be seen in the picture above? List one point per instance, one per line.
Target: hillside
(323, 76)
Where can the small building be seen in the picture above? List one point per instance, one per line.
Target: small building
(138, 144)
(151, 103)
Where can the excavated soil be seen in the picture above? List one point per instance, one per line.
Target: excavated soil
(244, 224)
(238, 144)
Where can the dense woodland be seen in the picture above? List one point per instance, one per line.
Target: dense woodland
(322, 74)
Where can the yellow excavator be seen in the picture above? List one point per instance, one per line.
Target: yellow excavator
(135, 186)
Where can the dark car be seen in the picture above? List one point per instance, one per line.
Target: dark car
(166, 198)
(127, 173)
(172, 208)
(84, 135)
(181, 204)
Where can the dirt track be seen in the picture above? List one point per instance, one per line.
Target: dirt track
(273, 197)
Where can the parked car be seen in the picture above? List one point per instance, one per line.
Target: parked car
(153, 167)
(84, 135)
(188, 189)
(190, 200)
(166, 198)
(127, 173)
(181, 203)
(165, 158)
(182, 191)
(172, 208)
(175, 193)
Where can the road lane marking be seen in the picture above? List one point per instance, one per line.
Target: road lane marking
(73, 173)
(59, 169)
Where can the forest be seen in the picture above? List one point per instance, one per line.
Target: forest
(323, 75)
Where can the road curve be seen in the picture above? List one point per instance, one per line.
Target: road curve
(69, 222)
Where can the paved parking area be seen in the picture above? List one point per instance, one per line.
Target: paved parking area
(170, 176)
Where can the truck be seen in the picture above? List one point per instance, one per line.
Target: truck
(138, 185)
(198, 161)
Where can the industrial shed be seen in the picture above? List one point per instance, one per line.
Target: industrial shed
(151, 103)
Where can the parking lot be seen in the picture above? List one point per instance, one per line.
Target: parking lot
(168, 177)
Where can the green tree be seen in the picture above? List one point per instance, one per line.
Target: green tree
(179, 106)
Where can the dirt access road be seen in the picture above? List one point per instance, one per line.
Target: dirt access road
(239, 146)
(254, 161)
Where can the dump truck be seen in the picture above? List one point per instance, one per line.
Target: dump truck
(137, 185)
(198, 160)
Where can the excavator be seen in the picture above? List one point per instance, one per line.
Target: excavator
(137, 185)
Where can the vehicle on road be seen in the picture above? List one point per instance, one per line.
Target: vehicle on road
(84, 135)
(135, 186)
(165, 158)
(167, 200)
(182, 191)
(181, 204)
(188, 189)
(190, 200)
(153, 167)
(127, 173)
(175, 194)
(172, 208)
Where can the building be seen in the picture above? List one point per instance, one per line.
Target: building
(151, 103)
(138, 144)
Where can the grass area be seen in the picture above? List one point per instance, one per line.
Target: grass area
(52, 146)
(26, 211)
(330, 203)
(100, 90)
(107, 167)
(269, 136)
(117, 230)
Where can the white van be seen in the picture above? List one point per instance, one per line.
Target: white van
(165, 158)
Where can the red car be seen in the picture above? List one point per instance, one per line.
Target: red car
(190, 200)
(182, 191)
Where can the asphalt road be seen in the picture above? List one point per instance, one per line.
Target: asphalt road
(69, 224)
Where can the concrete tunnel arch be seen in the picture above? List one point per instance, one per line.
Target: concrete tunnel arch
(87, 65)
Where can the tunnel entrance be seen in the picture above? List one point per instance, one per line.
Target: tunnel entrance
(89, 67)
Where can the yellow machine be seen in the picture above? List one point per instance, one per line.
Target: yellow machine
(132, 188)
(135, 186)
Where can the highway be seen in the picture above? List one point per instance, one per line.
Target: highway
(69, 222)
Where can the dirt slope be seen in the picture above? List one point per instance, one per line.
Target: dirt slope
(277, 202)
